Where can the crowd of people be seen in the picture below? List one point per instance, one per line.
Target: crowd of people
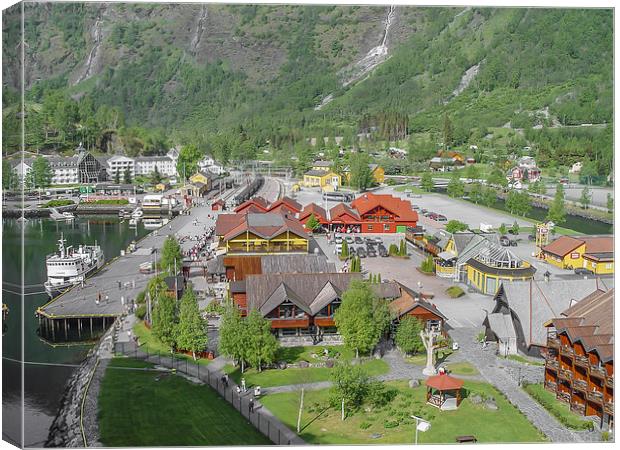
(199, 249)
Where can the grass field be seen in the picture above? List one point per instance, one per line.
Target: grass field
(279, 377)
(150, 342)
(461, 368)
(321, 425)
(147, 408)
(523, 360)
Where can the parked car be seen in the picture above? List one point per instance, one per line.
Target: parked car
(424, 211)
(378, 240)
(383, 252)
(349, 239)
(441, 218)
(338, 249)
(352, 251)
(513, 243)
(504, 241)
(361, 252)
(338, 239)
(369, 240)
(583, 271)
(416, 208)
(433, 216)
(372, 253)
(358, 240)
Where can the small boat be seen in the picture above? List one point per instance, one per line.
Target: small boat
(133, 223)
(152, 224)
(57, 215)
(137, 213)
(22, 220)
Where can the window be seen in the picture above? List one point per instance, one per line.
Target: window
(608, 266)
(369, 227)
(386, 227)
(288, 332)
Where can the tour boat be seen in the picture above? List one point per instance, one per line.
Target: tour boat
(69, 266)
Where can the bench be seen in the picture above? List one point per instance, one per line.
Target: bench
(466, 439)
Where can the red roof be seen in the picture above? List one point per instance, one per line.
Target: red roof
(259, 203)
(401, 209)
(444, 382)
(291, 204)
(226, 222)
(315, 209)
(219, 201)
(563, 245)
(266, 225)
(343, 213)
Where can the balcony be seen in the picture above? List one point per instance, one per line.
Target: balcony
(609, 381)
(552, 364)
(609, 407)
(563, 396)
(597, 371)
(595, 396)
(578, 408)
(551, 386)
(566, 374)
(324, 321)
(553, 342)
(566, 351)
(293, 322)
(582, 385)
(582, 361)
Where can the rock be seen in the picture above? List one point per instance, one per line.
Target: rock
(282, 365)
(376, 435)
(304, 364)
(475, 399)
(490, 404)
(329, 363)
(368, 409)
(414, 383)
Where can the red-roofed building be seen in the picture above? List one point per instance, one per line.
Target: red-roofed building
(384, 213)
(313, 208)
(343, 219)
(288, 203)
(256, 204)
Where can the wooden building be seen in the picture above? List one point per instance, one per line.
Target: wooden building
(595, 253)
(411, 303)
(579, 367)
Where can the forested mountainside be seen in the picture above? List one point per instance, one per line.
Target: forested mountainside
(141, 77)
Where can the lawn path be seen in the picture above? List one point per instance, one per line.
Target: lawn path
(488, 364)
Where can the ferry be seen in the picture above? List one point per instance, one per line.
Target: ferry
(70, 267)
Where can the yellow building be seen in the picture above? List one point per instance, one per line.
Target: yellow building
(321, 178)
(487, 273)
(205, 178)
(262, 233)
(325, 166)
(594, 253)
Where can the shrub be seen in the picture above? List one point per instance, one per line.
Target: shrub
(56, 203)
(559, 410)
(391, 423)
(141, 297)
(428, 265)
(141, 312)
(393, 250)
(365, 425)
(380, 395)
(605, 436)
(121, 201)
(455, 292)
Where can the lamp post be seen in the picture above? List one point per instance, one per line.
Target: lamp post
(420, 425)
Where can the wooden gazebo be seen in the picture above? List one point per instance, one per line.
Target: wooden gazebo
(443, 391)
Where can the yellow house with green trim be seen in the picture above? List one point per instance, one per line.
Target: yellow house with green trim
(594, 253)
(322, 178)
(261, 233)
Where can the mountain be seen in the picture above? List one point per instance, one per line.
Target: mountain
(141, 76)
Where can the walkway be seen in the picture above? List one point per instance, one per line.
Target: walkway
(493, 371)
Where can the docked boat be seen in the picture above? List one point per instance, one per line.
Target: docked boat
(152, 224)
(70, 266)
(137, 213)
(133, 223)
(57, 215)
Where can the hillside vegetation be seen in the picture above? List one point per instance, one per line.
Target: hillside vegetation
(141, 77)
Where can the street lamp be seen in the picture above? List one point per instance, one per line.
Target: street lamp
(420, 425)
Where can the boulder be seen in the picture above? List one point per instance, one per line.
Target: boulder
(414, 383)
(475, 399)
(304, 364)
(329, 363)
(490, 404)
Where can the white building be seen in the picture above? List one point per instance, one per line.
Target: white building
(145, 165)
(208, 164)
(22, 168)
(119, 164)
(65, 169)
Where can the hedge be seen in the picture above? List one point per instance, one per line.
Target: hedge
(559, 410)
(56, 203)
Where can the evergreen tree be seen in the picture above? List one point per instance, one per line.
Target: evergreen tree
(502, 229)
(233, 339)
(165, 320)
(361, 175)
(515, 227)
(408, 335)
(402, 251)
(117, 177)
(344, 252)
(313, 223)
(171, 252)
(610, 202)
(191, 332)
(448, 131)
(427, 182)
(155, 176)
(9, 178)
(127, 176)
(263, 345)
(41, 173)
(557, 211)
(586, 198)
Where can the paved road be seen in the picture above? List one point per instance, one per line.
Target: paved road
(489, 367)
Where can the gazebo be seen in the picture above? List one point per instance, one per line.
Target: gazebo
(443, 391)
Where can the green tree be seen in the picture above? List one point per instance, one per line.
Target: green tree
(472, 171)
(557, 210)
(456, 188)
(489, 196)
(456, 225)
(171, 252)
(475, 193)
(313, 223)
(9, 178)
(355, 318)
(428, 265)
(515, 227)
(497, 178)
(155, 176)
(117, 177)
(233, 339)
(427, 182)
(402, 249)
(127, 176)
(165, 320)
(586, 198)
(41, 173)
(350, 385)
(262, 344)
(408, 335)
(361, 175)
(187, 164)
(502, 229)
(191, 332)
(344, 251)
(610, 202)
(448, 131)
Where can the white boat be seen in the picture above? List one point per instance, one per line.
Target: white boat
(70, 266)
(137, 213)
(152, 224)
(133, 223)
(57, 215)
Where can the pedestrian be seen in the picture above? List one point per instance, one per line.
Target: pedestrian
(106, 299)
(225, 379)
(238, 390)
(119, 285)
(251, 405)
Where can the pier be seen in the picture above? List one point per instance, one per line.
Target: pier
(84, 312)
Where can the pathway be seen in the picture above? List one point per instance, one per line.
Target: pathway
(492, 369)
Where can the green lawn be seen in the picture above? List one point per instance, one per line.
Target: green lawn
(279, 377)
(147, 408)
(559, 409)
(523, 360)
(461, 368)
(412, 188)
(321, 425)
(151, 343)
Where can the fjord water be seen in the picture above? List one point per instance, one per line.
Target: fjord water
(47, 368)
